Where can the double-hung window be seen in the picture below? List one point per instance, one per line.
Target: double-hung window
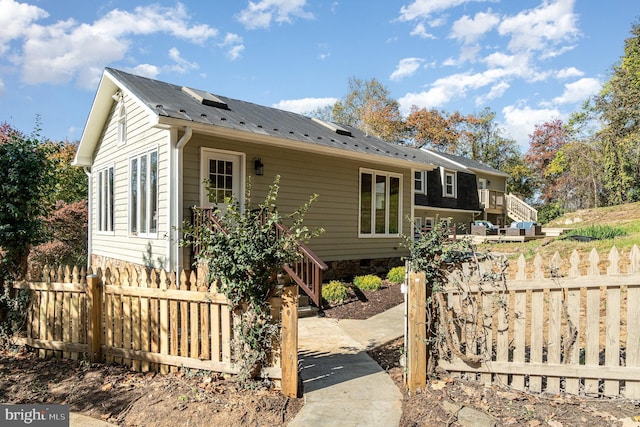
(449, 184)
(380, 203)
(104, 205)
(143, 194)
(419, 183)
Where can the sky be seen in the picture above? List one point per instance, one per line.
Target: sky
(529, 61)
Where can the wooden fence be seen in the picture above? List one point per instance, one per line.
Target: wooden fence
(148, 321)
(568, 326)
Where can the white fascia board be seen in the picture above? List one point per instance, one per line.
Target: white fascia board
(102, 103)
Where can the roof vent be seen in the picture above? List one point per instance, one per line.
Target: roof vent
(205, 98)
(334, 127)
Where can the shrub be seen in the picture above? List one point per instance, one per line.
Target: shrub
(368, 282)
(396, 275)
(601, 232)
(334, 292)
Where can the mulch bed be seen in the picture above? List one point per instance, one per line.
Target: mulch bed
(361, 305)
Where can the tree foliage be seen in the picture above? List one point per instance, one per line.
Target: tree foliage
(544, 144)
(369, 107)
(26, 178)
(618, 108)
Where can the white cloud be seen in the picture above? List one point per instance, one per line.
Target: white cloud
(181, 65)
(520, 121)
(15, 20)
(406, 68)
(578, 91)
(146, 70)
(325, 52)
(496, 91)
(262, 13)
(567, 73)
(541, 28)
(468, 30)
(421, 9)
(421, 31)
(2, 87)
(453, 86)
(69, 50)
(235, 45)
(304, 105)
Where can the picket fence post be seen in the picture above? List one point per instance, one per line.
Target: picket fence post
(94, 308)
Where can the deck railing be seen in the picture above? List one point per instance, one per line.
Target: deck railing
(306, 272)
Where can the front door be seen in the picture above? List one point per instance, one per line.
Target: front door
(221, 173)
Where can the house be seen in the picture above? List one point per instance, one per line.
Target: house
(148, 146)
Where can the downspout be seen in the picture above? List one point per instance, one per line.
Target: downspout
(89, 193)
(175, 197)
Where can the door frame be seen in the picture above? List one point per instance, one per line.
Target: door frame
(239, 174)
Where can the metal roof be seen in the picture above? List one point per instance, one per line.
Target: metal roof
(173, 101)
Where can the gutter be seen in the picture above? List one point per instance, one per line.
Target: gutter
(89, 207)
(175, 199)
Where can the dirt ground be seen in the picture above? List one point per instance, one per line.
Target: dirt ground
(119, 396)
(197, 398)
(438, 404)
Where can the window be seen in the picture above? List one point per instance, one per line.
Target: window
(449, 184)
(417, 228)
(419, 183)
(122, 123)
(428, 223)
(104, 205)
(143, 194)
(380, 203)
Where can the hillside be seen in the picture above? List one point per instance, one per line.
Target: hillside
(625, 217)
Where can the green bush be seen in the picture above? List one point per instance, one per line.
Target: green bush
(368, 282)
(334, 292)
(601, 232)
(396, 275)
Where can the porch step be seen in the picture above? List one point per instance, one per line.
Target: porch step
(305, 309)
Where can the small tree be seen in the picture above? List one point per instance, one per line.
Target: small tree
(25, 179)
(243, 250)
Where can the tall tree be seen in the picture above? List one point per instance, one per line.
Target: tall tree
(436, 129)
(26, 178)
(369, 107)
(544, 143)
(618, 107)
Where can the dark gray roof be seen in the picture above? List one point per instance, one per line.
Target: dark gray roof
(467, 163)
(169, 100)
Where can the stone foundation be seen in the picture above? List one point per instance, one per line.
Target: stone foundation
(348, 269)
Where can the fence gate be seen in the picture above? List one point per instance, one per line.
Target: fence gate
(562, 326)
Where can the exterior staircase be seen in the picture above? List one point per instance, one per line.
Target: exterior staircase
(306, 272)
(518, 210)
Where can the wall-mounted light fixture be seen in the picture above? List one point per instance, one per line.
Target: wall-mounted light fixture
(259, 166)
(488, 182)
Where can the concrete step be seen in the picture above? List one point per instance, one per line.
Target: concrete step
(307, 311)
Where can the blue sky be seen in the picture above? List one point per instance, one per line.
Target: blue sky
(528, 60)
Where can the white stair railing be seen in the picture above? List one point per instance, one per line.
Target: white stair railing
(519, 210)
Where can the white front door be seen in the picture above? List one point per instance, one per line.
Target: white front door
(221, 178)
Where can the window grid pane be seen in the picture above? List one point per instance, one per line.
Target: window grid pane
(366, 180)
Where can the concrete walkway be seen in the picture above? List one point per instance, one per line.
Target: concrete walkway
(343, 386)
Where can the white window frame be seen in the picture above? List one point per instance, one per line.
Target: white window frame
(417, 227)
(104, 180)
(148, 222)
(454, 178)
(420, 182)
(122, 123)
(387, 199)
(429, 221)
